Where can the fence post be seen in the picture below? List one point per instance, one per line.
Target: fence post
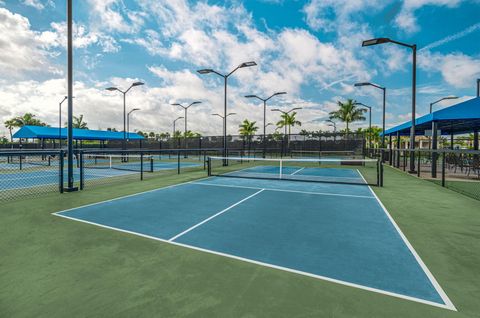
(418, 164)
(443, 169)
(82, 170)
(209, 166)
(141, 166)
(60, 171)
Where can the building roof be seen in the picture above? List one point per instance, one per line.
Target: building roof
(78, 134)
(460, 118)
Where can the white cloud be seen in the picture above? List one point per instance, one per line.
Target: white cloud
(406, 19)
(330, 15)
(22, 49)
(38, 4)
(114, 16)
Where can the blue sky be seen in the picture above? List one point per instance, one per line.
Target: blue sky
(311, 49)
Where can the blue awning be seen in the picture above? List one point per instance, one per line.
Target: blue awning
(42, 132)
(461, 118)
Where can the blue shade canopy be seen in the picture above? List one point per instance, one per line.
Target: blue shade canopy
(458, 119)
(78, 134)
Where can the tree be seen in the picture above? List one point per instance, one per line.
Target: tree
(348, 112)
(151, 135)
(10, 125)
(247, 130)
(78, 122)
(112, 129)
(289, 120)
(28, 119)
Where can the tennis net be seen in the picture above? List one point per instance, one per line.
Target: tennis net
(341, 154)
(348, 171)
(35, 160)
(126, 162)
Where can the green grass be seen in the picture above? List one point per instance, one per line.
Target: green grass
(53, 267)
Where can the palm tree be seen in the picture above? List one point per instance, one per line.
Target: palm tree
(78, 123)
(28, 119)
(151, 135)
(348, 112)
(288, 120)
(247, 130)
(10, 125)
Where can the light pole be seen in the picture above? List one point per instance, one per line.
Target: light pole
(174, 122)
(264, 100)
(225, 77)
(414, 89)
(384, 89)
(285, 125)
(438, 101)
(369, 124)
(60, 121)
(186, 108)
(128, 122)
(124, 108)
(332, 124)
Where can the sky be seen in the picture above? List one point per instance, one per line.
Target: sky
(309, 49)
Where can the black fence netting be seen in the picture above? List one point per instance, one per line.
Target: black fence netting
(30, 173)
(458, 170)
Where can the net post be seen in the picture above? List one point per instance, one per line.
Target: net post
(281, 168)
(82, 170)
(209, 166)
(141, 166)
(178, 162)
(443, 169)
(60, 171)
(110, 160)
(20, 160)
(151, 163)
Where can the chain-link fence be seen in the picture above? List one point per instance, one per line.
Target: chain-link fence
(30, 173)
(458, 170)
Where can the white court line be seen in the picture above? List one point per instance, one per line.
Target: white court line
(296, 171)
(214, 216)
(126, 196)
(286, 269)
(436, 285)
(284, 190)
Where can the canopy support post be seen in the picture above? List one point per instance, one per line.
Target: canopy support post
(434, 148)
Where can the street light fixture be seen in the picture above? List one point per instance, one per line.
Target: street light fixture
(438, 101)
(229, 114)
(112, 89)
(414, 88)
(286, 113)
(186, 108)
(332, 124)
(264, 100)
(225, 78)
(128, 122)
(369, 123)
(384, 89)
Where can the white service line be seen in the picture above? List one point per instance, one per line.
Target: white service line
(214, 216)
(296, 171)
(284, 190)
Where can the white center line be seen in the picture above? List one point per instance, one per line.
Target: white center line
(214, 216)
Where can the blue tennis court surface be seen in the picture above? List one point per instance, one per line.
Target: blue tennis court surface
(335, 232)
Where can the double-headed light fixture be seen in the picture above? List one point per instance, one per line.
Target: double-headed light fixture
(225, 77)
(112, 89)
(264, 100)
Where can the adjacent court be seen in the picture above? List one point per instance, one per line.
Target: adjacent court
(332, 231)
